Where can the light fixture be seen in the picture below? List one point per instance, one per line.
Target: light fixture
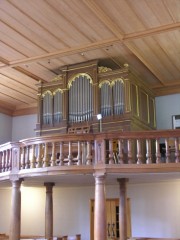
(99, 117)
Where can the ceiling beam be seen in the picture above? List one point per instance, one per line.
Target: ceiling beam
(151, 32)
(64, 52)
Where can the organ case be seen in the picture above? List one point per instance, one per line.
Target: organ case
(82, 91)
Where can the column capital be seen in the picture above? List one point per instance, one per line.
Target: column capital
(123, 180)
(16, 182)
(99, 173)
(49, 184)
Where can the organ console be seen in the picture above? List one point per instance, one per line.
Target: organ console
(81, 91)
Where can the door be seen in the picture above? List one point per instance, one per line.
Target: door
(112, 219)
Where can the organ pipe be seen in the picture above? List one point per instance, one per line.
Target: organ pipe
(58, 106)
(47, 107)
(80, 99)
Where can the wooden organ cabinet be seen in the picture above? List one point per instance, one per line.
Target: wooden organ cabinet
(112, 219)
(82, 91)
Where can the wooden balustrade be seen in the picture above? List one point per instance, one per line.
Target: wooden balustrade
(142, 147)
(9, 157)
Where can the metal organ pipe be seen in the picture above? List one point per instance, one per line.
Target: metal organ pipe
(90, 100)
(86, 97)
(106, 96)
(69, 104)
(85, 101)
(80, 99)
(75, 102)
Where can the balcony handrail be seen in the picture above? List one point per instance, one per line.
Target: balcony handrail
(121, 147)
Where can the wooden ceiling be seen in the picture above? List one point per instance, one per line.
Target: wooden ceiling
(39, 37)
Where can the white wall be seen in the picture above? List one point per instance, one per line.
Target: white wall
(23, 127)
(5, 128)
(5, 203)
(166, 106)
(155, 209)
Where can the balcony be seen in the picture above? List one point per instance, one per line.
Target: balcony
(121, 153)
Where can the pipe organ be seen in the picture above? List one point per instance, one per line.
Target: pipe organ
(82, 91)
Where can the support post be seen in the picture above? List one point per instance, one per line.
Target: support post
(15, 221)
(100, 208)
(49, 210)
(123, 209)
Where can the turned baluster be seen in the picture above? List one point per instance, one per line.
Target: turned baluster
(1, 155)
(53, 157)
(158, 154)
(61, 157)
(27, 161)
(39, 156)
(167, 150)
(7, 160)
(3, 161)
(177, 159)
(33, 158)
(88, 156)
(70, 154)
(120, 150)
(83, 153)
(139, 152)
(129, 145)
(46, 158)
(148, 151)
(111, 157)
(10, 160)
(79, 156)
(23, 158)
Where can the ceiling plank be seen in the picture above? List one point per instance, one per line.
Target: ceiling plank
(147, 64)
(29, 74)
(104, 18)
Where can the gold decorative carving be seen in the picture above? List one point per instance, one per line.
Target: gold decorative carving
(111, 83)
(58, 90)
(104, 82)
(116, 80)
(126, 65)
(48, 91)
(77, 76)
(57, 78)
(102, 69)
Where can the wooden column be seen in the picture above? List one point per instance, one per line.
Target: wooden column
(123, 209)
(15, 221)
(100, 208)
(49, 210)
